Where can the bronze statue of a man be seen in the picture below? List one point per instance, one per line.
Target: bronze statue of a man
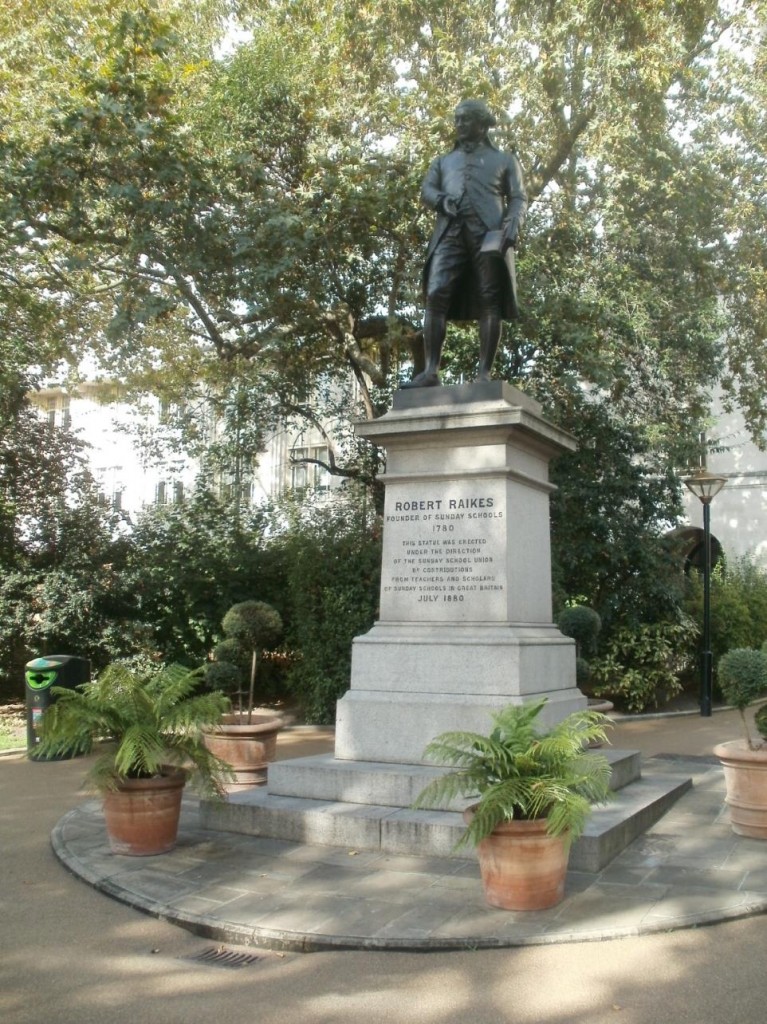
(479, 197)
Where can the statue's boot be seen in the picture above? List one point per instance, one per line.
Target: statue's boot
(434, 330)
(489, 338)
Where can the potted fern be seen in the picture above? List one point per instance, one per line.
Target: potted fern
(244, 739)
(534, 790)
(149, 734)
(742, 678)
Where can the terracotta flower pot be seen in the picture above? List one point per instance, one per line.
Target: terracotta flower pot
(745, 776)
(522, 867)
(142, 815)
(247, 748)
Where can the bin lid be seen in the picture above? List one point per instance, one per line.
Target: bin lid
(51, 661)
(43, 663)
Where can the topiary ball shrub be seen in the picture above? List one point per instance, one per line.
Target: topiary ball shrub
(234, 652)
(222, 675)
(255, 624)
(581, 624)
(742, 676)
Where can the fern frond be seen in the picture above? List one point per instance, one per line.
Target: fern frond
(150, 721)
(518, 773)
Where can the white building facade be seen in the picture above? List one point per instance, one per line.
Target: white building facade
(739, 512)
(130, 478)
(132, 475)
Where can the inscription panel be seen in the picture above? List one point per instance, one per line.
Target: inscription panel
(444, 553)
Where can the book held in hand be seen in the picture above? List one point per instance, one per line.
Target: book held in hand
(493, 243)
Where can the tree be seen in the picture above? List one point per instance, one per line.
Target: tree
(266, 207)
(59, 553)
(328, 560)
(185, 566)
(184, 215)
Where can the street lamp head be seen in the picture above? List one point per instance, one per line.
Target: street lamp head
(704, 485)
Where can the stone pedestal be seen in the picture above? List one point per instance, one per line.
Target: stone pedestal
(465, 621)
(465, 628)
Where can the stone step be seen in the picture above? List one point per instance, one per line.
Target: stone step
(323, 777)
(393, 830)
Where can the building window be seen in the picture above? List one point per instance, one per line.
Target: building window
(241, 494)
(161, 493)
(305, 473)
(57, 411)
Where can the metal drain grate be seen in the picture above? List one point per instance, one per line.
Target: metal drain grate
(219, 956)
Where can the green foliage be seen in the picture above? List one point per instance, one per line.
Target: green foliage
(255, 624)
(640, 666)
(251, 627)
(186, 565)
(742, 675)
(582, 624)
(609, 519)
(233, 652)
(223, 675)
(738, 605)
(61, 560)
(148, 722)
(265, 206)
(742, 678)
(331, 559)
(583, 674)
(521, 772)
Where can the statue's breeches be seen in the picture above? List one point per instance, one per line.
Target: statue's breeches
(458, 264)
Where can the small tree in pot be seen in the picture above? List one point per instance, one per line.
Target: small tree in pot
(245, 740)
(742, 677)
(535, 789)
(250, 628)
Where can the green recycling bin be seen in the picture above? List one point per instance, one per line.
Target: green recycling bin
(41, 675)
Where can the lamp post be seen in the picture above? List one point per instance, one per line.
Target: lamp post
(705, 486)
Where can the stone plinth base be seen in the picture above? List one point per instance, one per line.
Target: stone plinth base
(323, 777)
(396, 727)
(412, 682)
(361, 807)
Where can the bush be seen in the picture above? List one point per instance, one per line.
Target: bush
(189, 563)
(582, 624)
(742, 674)
(330, 561)
(583, 674)
(641, 667)
(223, 675)
(738, 606)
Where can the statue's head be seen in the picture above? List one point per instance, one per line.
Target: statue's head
(472, 121)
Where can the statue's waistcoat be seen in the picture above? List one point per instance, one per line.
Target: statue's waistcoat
(480, 180)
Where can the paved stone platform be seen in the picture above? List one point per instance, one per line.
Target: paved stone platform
(686, 870)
